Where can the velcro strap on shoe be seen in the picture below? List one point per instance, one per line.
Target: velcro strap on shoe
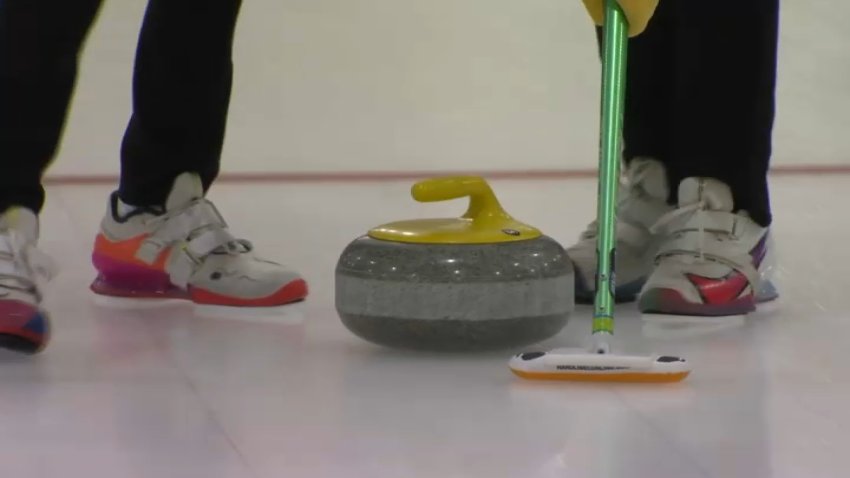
(208, 241)
(717, 222)
(686, 243)
(181, 266)
(179, 227)
(150, 250)
(190, 255)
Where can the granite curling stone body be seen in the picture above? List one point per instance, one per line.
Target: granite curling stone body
(483, 281)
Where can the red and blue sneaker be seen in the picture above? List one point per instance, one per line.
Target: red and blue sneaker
(24, 326)
(711, 261)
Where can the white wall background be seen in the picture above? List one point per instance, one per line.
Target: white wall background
(376, 85)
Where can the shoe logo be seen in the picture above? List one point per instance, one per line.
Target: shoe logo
(511, 232)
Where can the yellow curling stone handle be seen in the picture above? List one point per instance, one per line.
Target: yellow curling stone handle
(485, 222)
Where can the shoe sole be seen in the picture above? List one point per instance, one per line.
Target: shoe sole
(20, 344)
(24, 328)
(284, 313)
(671, 302)
(112, 297)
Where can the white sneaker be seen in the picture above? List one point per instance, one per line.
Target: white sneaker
(24, 326)
(711, 262)
(185, 251)
(643, 201)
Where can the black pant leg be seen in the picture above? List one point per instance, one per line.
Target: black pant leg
(723, 101)
(700, 95)
(40, 41)
(181, 94)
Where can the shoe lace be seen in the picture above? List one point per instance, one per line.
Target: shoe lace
(23, 267)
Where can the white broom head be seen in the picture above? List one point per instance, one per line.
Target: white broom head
(581, 365)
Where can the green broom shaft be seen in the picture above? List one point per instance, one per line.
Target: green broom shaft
(613, 95)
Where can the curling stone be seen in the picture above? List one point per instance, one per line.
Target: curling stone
(483, 281)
